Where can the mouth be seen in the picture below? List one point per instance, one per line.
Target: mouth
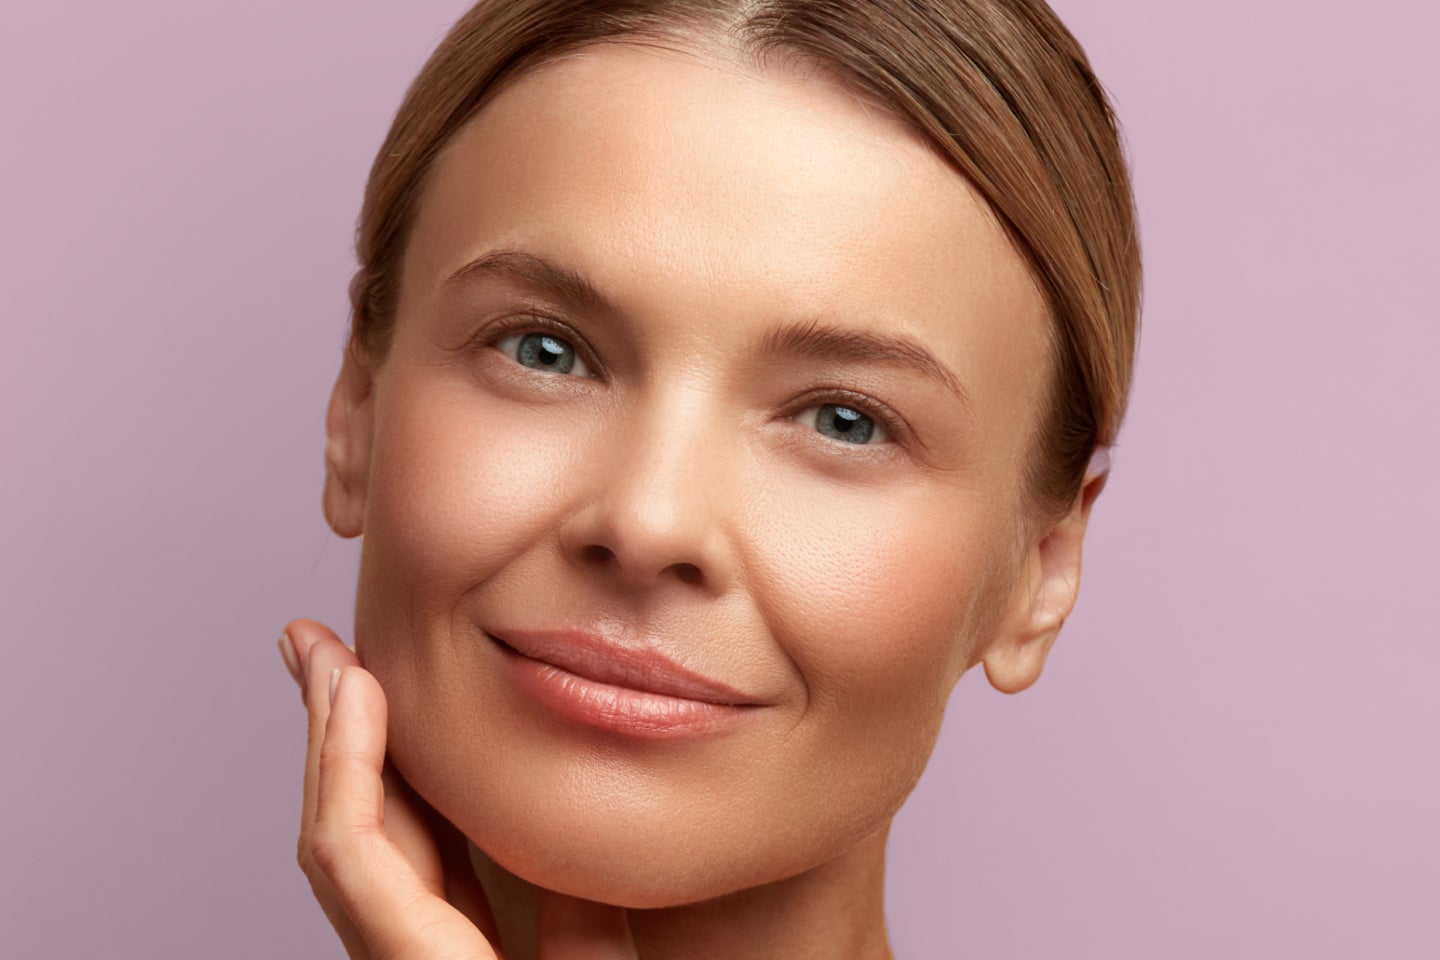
(639, 692)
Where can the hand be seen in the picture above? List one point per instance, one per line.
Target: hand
(393, 876)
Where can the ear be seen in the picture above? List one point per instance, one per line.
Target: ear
(349, 429)
(1043, 596)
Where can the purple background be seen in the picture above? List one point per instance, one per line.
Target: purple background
(1233, 752)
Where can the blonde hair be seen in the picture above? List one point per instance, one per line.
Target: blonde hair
(1000, 87)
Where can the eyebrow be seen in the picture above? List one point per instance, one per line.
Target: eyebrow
(821, 341)
(535, 272)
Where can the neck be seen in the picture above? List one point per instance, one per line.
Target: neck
(835, 910)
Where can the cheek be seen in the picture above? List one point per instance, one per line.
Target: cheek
(458, 487)
(872, 592)
(875, 586)
(456, 483)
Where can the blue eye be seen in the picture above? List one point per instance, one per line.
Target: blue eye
(842, 423)
(544, 352)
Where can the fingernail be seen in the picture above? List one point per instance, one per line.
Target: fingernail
(291, 658)
(334, 684)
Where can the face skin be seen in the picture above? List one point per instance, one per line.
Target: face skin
(685, 487)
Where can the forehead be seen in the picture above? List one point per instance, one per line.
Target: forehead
(703, 189)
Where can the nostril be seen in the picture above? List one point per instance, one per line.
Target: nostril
(596, 553)
(599, 555)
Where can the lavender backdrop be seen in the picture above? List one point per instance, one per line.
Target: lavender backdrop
(1233, 752)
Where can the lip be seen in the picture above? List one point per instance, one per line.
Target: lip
(641, 692)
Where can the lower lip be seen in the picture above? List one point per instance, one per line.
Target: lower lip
(638, 713)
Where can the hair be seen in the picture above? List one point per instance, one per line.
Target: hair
(1000, 87)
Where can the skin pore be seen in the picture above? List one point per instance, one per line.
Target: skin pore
(725, 363)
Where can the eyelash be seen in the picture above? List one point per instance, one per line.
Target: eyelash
(493, 334)
(890, 421)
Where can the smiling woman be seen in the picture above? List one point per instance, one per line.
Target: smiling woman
(722, 386)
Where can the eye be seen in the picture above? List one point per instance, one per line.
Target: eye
(544, 352)
(843, 423)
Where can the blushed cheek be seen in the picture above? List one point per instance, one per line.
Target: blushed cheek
(460, 481)
(877, 588)
(871, 593)
(460, 484)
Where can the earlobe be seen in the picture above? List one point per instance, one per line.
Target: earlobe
(1043, 597)
(349, 426)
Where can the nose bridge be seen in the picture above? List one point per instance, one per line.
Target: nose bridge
(657, 511)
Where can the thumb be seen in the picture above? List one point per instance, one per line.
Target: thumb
(569, 928)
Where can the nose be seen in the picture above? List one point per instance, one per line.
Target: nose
(659, 499)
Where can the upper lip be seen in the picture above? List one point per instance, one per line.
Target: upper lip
(597, 658)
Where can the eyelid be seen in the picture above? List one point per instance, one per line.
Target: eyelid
(519, 324)
(810, 417)
(894, 425)
(580, 369)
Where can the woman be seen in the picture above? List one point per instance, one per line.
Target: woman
(726, 379)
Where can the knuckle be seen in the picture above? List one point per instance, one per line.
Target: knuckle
(434, 938)
(334, 757)
(327, 850)
(305, 857)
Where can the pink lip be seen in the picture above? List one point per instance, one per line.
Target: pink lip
(641, 692)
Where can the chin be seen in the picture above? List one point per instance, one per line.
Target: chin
(645, 855)
(637, 861)
(640, 884)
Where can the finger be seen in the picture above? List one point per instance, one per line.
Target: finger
(438, 851)
(299, 636)
(405, 824)
(380, 891)
(292, 662)
(319, 651)
(462, 886)
(568, 928)
(317, 648)
(407, 828)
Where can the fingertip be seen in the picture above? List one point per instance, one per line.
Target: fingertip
(312, 627)
(354, 692)
(303, 634)
(318, 652)
(292, 659)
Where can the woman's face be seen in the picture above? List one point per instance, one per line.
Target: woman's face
(692, 480)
